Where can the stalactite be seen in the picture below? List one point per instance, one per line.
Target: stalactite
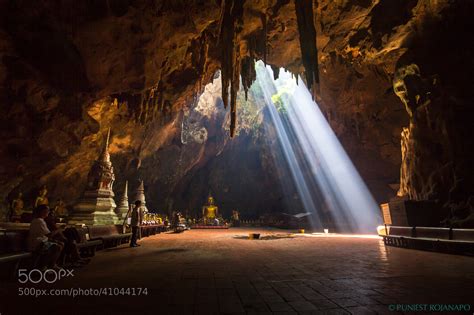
(205, 53)
(234, 89)
(140, 111)
(155, 107)
(264, 24)
(226, 40)
(248, 74)
(231, 15)
(147, 108)
(276, 72)
(307, 35)
(162, 103)
(199, 50)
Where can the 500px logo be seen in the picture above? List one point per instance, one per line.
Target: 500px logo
(48, 275)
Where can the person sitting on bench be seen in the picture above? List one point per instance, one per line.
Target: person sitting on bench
(69, 237)
(40, 239)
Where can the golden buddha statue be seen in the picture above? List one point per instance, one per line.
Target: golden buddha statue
(209, 211)
(159, 219)
(42, 199)
(17, 208)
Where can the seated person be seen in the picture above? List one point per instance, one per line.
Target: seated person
(40, 239)
(69, 237)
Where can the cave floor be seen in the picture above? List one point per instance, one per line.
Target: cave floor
(219, 271)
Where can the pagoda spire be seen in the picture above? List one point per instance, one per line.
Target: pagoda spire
(140, 195)
(105, 156)
(122, 209)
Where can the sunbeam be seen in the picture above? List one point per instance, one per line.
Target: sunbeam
(327, 182)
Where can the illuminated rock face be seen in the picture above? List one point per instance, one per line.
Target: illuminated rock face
(97, 205)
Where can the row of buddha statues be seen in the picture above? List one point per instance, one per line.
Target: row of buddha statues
(17, 211)
(210, 213)
(17, 207)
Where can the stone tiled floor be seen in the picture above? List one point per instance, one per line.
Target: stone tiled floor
(216, 271)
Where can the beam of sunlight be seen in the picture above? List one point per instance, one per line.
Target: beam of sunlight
(335, 235)
(327, 182)
(286, 143)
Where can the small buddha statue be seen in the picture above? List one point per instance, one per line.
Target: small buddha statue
(235, 218)
(42, 199)
(60, 209)
(235, 215)
(17, 208)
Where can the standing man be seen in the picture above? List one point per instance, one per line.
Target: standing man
(136, 219)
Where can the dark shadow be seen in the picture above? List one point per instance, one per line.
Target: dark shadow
(170, 250)
(265, 238)
(159, 251)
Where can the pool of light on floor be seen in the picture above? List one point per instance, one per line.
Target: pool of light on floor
(339, 235)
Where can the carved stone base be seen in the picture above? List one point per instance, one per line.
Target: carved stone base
(95, 210)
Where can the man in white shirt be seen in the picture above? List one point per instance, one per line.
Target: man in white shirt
(39, 238)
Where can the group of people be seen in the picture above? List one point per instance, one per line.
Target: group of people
(50, 242)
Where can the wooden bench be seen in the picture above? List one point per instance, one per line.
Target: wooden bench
(13, 251)
(432, 233)
(87, 248)
(446, 240)
(398, 236)
(463, 235)
(110, 235)
(11, 262)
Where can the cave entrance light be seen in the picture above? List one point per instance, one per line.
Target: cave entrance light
(327, 182)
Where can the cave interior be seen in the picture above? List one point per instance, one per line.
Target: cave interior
(314, 125)
(175, 83)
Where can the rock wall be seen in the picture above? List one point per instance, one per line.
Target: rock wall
(433, 82)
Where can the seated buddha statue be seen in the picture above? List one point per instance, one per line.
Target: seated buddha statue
(209, 211)
(60, 209)
(17, 208)
(42, 199)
